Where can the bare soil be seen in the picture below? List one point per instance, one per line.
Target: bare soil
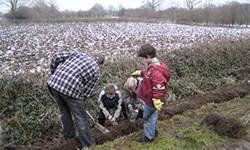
(241, 144)
(225, 126)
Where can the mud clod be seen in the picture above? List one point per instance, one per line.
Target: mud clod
(225, 126)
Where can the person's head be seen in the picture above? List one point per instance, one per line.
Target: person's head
(147, 51)
(109, 90)
(100, 59)
(130, 84)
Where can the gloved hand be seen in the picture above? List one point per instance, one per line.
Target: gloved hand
(158, 104)
(136, 73)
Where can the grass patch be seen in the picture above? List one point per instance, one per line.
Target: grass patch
(198, 137)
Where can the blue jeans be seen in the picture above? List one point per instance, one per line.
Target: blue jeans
(150, 116)
(69, 106)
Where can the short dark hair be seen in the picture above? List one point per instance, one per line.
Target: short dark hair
(147, 50)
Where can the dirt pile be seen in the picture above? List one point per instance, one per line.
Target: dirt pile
(124, 128)
(194, 102)
(225, 126)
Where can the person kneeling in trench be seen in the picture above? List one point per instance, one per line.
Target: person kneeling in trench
(133, 104)
(110, 104)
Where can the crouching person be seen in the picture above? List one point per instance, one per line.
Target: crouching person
(111, 105)
(133, 104)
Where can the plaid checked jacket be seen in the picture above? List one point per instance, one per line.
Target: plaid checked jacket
(74, 74)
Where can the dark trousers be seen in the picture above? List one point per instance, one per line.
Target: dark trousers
(69, 106)
(140, 115)
(101, 118)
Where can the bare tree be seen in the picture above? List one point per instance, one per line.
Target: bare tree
(12, 5)
(234, 10)
(173, 5)
(247, 12)
(152, 4)
(53, 8)
(191, 4)
(207, 10)
(121, 11)
(111, 10)
(97, 10)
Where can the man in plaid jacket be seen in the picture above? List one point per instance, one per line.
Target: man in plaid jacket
(73, 78)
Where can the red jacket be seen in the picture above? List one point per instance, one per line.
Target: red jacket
(154, 83)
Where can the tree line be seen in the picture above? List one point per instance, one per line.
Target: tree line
(195, 11)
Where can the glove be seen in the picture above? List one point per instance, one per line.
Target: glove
(158, 104)
(136, 73)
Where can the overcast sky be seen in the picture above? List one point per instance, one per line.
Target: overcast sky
(87, 4)
(76, 5)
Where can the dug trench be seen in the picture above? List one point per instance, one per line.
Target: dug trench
(125, 127)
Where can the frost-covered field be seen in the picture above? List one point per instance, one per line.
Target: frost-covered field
(30, 46)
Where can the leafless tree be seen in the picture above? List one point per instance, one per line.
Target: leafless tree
(191, 4)
(12, 5)
(207, 10)
(121, 11)
(234, 11)
(172, 9)
(246, 13)
(46, 10)
(152, 4)
(97, 10)
(111, 10)
(53, 8)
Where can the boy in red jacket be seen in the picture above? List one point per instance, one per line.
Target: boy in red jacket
(152, 90)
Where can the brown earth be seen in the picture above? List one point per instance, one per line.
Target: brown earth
(225, 126)
(125, 127)
(241, 144)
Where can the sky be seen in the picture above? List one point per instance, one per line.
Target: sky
(87, 4)
(75, 5)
